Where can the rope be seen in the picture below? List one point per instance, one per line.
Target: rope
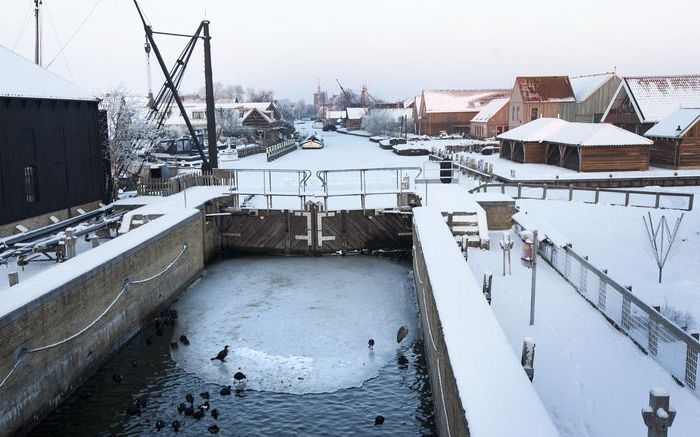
(91, 324)
(80, 27)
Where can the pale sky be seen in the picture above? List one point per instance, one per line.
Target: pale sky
(398, 46)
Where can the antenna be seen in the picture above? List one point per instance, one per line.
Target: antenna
(38, 32)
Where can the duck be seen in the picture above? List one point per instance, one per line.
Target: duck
(225, 390)
(214, 413)
(198, 414)
(370, 344)
(221, 356)
(184, 340)
(159, 425)
(213, 429)
(204, 395)
(204, 406)
(181, 408)
(176, 425)
(401, 334)
(189, 398)
(379, 420)
(239, 376)
(117, 378)
(189, 411)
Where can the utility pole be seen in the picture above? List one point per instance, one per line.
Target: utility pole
(211, 108)
(535, 243)
(37, 36)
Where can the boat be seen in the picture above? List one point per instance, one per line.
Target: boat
(312, 142)
(317, 125)
(410, 149)
(228, 153)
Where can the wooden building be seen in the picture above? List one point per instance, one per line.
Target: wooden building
(641, 102)
(491, 120)
(451, 111)
(579, 99)
(677, 140)
(52, 144)
(354, 118)
(584, 147)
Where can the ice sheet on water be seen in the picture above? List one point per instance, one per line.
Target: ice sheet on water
(296, 325)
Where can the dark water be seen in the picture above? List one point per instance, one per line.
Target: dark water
(401, 393)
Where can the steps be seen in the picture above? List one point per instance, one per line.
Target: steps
(464, 226)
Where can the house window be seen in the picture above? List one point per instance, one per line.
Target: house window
(499, 130)
(517, 112)
(31, 184)
(198, 115)
(534, 113)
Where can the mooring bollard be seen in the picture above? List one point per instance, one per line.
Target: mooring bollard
(95, 241)
(70, 243)
(659, 415)
(506, 245)
(527, 359)
(486, 289)
(13, 277)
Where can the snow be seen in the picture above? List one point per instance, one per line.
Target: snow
(585, 86)
(555, 130)
(490, 110)
(20, 77)
(658, 96)
(676, 125)
(545, 230)
(491, 384)
(592, 379)
(294, 324)
(355, 113)
(442, 101)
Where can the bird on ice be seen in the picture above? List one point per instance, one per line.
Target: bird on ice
(403, 333)
(221, 356)
(370, 344)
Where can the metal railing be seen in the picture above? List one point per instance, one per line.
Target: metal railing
(672, 347)
(270, 180)
(168, 187)
(611, 196)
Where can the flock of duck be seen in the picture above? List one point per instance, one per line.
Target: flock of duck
(188, 408)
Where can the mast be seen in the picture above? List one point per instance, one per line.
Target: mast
(211, 108)
(38, 33)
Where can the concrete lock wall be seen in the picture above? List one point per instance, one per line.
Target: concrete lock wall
(43, 379)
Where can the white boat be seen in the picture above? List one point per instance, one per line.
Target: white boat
(228, 154)
(312, 142)
(317, 125)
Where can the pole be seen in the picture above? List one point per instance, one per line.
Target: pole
(659, 415)
(37, 35)
(535, 243)
(211, 109)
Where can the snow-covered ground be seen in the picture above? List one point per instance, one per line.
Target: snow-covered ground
(296, 325)
(592, 379)
(614, 238)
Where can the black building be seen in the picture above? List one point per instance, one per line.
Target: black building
(52, 142)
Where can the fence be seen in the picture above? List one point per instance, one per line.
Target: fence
(611, 196)
(280, 149)
(672, 347)
(168, 187)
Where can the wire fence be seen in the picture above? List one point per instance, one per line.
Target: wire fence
(672, 347)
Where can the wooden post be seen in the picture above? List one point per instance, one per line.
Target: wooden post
(597, 195)
(486, 287)
(659, 415)
(657, 201)
(527, 358)
(13, 277)
(95, 241)
(534, 276)
(571, 192)
(544, 191)
(520, 190)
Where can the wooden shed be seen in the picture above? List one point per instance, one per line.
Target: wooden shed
(354, 118)
(451, 111)
(491, 120)
(641, 102)
(677, 140)
(582, 147)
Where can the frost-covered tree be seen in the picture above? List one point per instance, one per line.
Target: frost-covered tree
(379, 121)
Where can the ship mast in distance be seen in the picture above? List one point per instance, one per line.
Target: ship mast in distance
(38, 33)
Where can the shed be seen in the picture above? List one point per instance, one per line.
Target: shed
(354, 117)
(491, 120)
(577, 146)
(642, 101)
(677, 140)
(52, 144)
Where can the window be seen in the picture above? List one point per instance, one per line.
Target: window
(31, 185)
(198, 115)
(499, 130)
(534, 113)
(517, 113)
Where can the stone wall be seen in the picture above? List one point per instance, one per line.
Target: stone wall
(499, 213)
(44, 220)
(44, 379)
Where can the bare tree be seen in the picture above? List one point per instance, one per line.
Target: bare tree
(661, 238)
(378, 121)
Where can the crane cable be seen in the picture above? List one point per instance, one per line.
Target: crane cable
(22, 28)
(87, 17)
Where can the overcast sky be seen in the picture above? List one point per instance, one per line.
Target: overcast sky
(398, 46)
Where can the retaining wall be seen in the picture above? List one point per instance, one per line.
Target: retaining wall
(478, 385)
(82, 289)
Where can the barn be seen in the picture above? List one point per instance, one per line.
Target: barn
(642, 101)
(354, 117)
(52, 146)
(677, 140)
(452, 111)
(491, 120)
(584, 147)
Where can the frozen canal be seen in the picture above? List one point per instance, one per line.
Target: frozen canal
(298, 328)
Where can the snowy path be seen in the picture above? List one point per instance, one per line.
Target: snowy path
(593, 379)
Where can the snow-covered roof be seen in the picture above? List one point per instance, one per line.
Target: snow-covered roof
(559, 131)
(335, 114)
(442, 101)
(545, 89)
(264, 115)
(676, 124)
(585, 86)
(655, 97)
(490, 110)
(19, 77)
(356, 113)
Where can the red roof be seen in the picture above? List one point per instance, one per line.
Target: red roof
(545, 89)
